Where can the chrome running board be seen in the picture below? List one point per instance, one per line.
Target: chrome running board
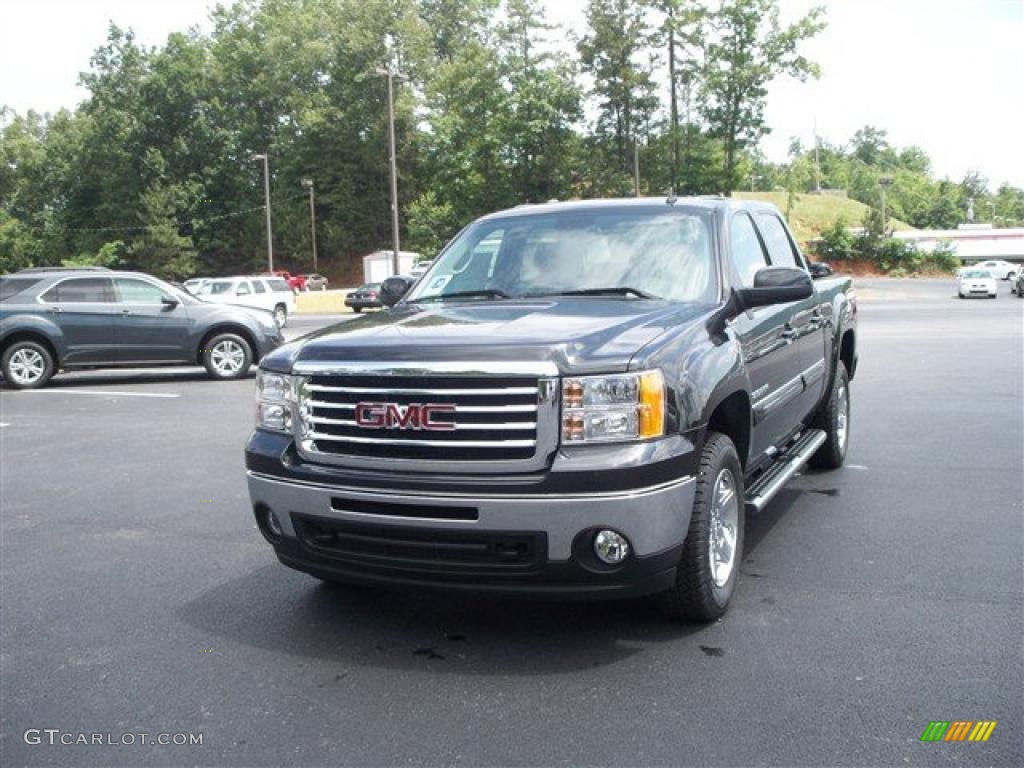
(791, 461)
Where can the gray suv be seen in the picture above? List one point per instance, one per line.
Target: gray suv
(53, 319)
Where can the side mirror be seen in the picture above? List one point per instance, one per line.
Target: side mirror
(776, 285)
(169, 302)
(394, 288)
(820, 269)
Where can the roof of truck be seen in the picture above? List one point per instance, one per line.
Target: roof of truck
(708, 202)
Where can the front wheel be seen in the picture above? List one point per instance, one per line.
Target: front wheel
(834, 420)
(27, 365)
(227, 356)
(709, 567)
(280, 315)
(357, 310)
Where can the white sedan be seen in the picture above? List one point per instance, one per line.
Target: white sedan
(976, 282)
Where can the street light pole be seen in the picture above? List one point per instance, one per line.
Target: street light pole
(266, 205)
(391, 74)
(308, 184)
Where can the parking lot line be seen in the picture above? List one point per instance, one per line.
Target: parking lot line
(99, 392)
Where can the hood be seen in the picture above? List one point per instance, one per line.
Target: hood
(578, 334)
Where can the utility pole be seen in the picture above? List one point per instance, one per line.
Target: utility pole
(817, 160)
(266, 205)
(308, 185)
(391, 74)
(636, 165)
(884, 182)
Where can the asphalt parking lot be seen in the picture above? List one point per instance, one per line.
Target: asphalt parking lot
(138, 596)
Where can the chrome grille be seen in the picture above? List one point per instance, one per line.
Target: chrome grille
(505, 419)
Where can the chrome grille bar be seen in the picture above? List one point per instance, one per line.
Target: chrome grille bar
(520, 425)
(462, 408)
(315, 436)
(384, 392)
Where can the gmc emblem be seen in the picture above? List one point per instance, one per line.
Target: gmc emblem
(396, 416)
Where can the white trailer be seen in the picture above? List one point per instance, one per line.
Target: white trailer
(377, 265)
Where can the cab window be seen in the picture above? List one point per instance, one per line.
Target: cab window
(780, 248)
(747, 253)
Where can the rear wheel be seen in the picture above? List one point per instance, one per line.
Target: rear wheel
(834, 420)
(27, 365)
(227, 356)
(357, 310)
(709, 567)
(281, 315)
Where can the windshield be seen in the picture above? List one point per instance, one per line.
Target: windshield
(630, 252)
(976, 273)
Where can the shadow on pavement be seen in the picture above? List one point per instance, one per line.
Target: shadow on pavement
(459, 634)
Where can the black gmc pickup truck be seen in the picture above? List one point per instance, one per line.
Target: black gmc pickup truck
(577, 399)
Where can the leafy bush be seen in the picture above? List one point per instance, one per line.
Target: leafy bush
(942, 258)
(836, 243)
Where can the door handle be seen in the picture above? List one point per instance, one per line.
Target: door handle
(54, 310)
(125, 312)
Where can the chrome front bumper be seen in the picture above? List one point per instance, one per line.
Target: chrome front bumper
(654, 519)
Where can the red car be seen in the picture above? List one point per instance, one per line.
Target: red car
(295, 282)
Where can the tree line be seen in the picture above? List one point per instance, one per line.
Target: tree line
(499, 107)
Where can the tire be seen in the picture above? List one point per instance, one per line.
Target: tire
(357, 310)
(704, 585)
(27, 365)
(834, 420)
(227, 356)
(281, 315)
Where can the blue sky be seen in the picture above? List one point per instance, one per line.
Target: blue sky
(942, 74)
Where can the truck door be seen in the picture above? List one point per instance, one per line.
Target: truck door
(771, 358)
(807, 325)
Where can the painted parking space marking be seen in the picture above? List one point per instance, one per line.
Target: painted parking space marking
(102, 393)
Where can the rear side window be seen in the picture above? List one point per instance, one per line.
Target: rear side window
(747, 253)
(81, 290)
(12, 286)
(277, 285)
(780, 248)
(258, 286)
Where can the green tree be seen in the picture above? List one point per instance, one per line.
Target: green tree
(616, 53)
(748, 49)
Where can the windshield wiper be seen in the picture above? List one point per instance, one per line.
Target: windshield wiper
(613, 291)
(485, 293)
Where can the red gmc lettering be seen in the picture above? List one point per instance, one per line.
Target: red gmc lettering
(396, 416)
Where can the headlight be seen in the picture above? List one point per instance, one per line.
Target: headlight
(628, 406)
(275, 401)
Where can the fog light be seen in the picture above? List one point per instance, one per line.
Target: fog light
(273, 524)
(611, 547)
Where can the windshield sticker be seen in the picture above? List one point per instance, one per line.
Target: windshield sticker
(437, 284)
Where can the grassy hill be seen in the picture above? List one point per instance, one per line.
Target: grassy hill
(813, 213)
